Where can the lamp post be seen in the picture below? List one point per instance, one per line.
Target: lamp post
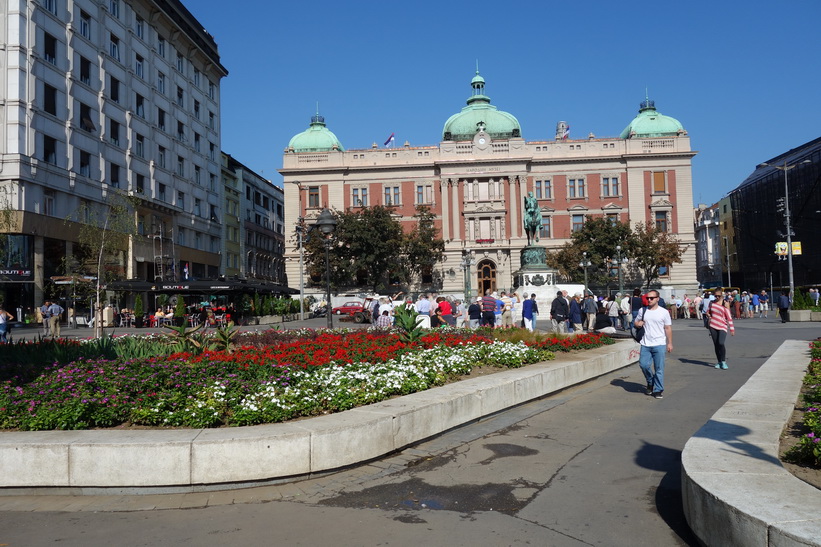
(300, 231)
(621, 260)
(326, 223)
(727, 253)
(585, 263)
(467, 262)
(786, 167)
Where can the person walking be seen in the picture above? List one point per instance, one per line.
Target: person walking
(488, 310)
(475, 313)
(589, 307)
(44, 317)
(763, 304)
(720, 322)
(658, 337)
(705, 308)
(535, 310)
(559, 311)
(527, 312)
(54, 312)
(5, 317)
(575, 314)
(636, 303)
(613, 309)
(784, 307)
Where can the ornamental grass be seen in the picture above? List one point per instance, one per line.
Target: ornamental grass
(265, 377)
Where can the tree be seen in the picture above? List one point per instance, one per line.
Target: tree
(598, 237)
(365, 248)
(652, 249)
(422, 249)
(104, 230)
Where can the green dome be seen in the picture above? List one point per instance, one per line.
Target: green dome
(480, 114)
(650, 123)
(317, 138)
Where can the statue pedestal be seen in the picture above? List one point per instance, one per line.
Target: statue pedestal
(536, 277)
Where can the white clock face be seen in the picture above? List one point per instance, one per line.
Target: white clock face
(482, 140)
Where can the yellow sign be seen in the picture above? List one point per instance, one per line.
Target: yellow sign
(781, 248)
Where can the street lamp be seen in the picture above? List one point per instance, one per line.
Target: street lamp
(786, 167)
(467, 262)
(620, 260)
(585, 263)
(326, 223)
(300, 231)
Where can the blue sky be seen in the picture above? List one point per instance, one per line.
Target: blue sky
(742, 77)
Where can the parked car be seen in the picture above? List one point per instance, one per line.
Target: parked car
(348, 308)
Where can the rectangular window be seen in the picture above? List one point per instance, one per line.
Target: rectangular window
(197, 142)
(181, 236)
(548, 191)
(86, 123)
(212, 151)
(197, 174)
(139, 68)
(575, 188)
(139, 27)
(614, 187)
(48, 203)
(139, 183)
(161, 82)
(537, 189)
(313, 196)
(161, 191)
(212, 120)
(181, 131)
(114, 175)
(139, 105)
(180, 63)
(50, 5)
(114, 8)
(49, 149)
(659, 182)
(212, 90)
(359, 197)
(612, 218)
(544, 231)
(392, 195)
(180, 166)
(196, 77)
(180, 97)
(85, 71)
(198, 240)
(114, 132)
(161, 156)
(85, 25)
(141, 225)
(161, 119)
(139, 145)
(161, 46)
(50, 48)
(50, 99)
(212, 182)
(578, 222)
(85, 164)
(198, 207)
(661, 221)
(197, 109)
(114, 47)
(181, 200)
(114, 89)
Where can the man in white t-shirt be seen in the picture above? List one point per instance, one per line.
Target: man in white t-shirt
(658, 338)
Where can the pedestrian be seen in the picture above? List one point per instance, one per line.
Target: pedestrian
(559, 310)
(475, 313)
(575, 313)
(697, 305)
(624, 313)
(385, 320)
(814, 295)
(784, 306)
(720, 322)
(527, 312)
(498, 310)
(5, 317)
(423, 305)
(687, 304)
(488, 310)
(460, 314)
(589, 308)
(658, 336)
(763, 304)
(613, 309)
(535, 309)
(705, 309)
(507, 310)
(54, 312)
(44, 317)
(636, 303)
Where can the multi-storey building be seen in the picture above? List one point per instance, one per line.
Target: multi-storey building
(475, 181)
(104, 96)
(232, 226)
(708, 245)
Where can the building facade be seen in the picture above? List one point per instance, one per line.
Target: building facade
(108, 97)
(709, 263)
(475, 181)
(759, 212)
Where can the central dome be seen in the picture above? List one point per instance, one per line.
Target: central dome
(480, 114)
(651, 123)
(317, 138)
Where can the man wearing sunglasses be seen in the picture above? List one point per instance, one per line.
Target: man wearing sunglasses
(658, 337)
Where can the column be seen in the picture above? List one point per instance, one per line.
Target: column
(443, 184)
(455, 208)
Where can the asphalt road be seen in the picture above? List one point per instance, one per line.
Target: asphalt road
(597, 464)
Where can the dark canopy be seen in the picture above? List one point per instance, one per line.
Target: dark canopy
(203, 286)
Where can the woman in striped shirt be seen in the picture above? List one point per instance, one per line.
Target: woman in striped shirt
(720, 322)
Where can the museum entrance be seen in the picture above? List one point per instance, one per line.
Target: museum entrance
(486, 276)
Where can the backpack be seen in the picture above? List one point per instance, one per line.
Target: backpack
(638, 332)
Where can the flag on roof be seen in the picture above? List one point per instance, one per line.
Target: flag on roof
(566, 133)
(390, 140)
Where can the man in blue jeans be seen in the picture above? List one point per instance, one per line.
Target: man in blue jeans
(658, 338)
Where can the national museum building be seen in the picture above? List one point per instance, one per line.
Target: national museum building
(475, 181)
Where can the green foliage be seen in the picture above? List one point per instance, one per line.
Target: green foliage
(179, 310)
(183, 338)
(223, 339)
(802, 300)
(404, 317)
(139, 311)
(652, 249)
(422, 247)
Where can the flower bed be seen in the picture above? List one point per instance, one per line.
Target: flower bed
(807, 451)
(274, 376)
